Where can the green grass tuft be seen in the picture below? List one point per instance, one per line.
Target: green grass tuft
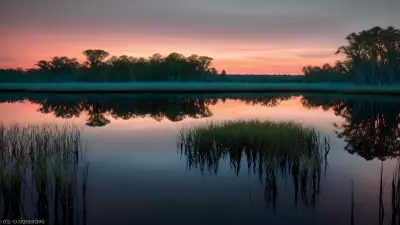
(269, 148)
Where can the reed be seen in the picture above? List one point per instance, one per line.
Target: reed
(44, 161)
(271, 148)
(396, 194)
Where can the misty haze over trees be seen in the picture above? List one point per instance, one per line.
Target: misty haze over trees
(371, 56)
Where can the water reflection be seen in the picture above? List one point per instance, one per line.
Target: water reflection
(393, 192)
(43, 174)
(158, 107)
(371, 127)
(133, 173)
(395, 196)
(270, 150)
(370, 130)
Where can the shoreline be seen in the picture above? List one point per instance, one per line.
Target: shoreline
(199, 87)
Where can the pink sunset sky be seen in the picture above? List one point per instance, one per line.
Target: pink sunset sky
(250, 37)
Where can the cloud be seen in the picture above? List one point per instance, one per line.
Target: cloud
(5, 59)
(313, 54)
(288, 30)
(253, 19)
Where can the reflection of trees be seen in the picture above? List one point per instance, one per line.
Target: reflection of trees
(67, 109)
(314, 101)
(11, 98)
(121, 107)
(371, 128)
(96, 114)
(270, 101)
(60, 108)
(173, 108)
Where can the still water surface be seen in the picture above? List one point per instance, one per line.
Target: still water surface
(137, 174)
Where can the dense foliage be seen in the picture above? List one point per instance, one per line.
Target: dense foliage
(100, 67)
(372, 56)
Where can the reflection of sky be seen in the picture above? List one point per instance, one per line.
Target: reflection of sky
(136, 169)
(250, 36)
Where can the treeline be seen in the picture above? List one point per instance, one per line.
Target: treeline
(372, 56)
(100, 67)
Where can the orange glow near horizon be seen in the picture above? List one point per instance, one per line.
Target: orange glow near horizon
(236, 56)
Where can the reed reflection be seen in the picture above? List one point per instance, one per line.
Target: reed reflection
(43, 174)
(270, 149)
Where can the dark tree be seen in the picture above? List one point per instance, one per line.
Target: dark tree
(95, 57)
(372, 56)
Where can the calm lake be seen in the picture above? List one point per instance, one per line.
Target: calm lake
(137, 173)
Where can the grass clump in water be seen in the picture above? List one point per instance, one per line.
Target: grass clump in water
(270, 148)
(40, 166)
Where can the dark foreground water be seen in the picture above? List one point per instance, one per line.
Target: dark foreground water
(137, 174)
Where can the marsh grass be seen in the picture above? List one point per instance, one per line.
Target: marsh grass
(40, 166)
(270, 148)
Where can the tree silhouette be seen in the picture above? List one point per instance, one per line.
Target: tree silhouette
(175, 63)
(327, 72)
(375, 54)
(95, 57)
(59, 64)
(372, 56)
(123, 68)
(44, 65)
(223, 73)
(157, 67)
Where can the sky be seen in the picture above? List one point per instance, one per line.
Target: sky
(250, 37)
